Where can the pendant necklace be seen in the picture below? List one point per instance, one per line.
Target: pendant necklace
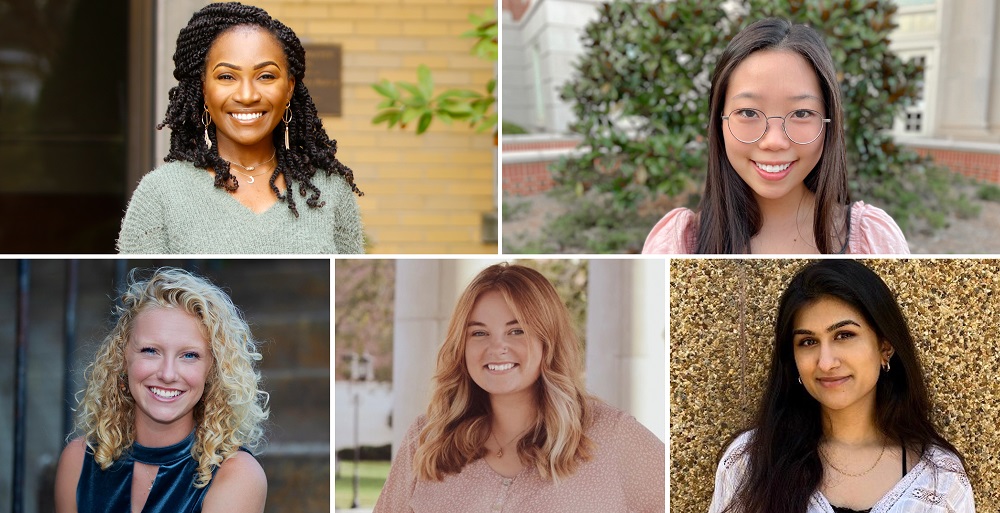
(251, 168)
(500, 451)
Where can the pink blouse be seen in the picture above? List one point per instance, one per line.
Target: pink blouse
(873, 232)
(626, 473)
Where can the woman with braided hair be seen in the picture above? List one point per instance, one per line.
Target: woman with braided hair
(245, 137)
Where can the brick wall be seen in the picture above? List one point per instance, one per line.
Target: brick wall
(423, 194)
(981, 166)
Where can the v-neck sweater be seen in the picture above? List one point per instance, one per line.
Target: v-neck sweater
(177, 209)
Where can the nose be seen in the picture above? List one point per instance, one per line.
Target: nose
(828, 359)
(247, 93)
(498, 345)
(774, 138)
(168, 371)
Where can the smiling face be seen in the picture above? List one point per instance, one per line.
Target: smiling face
(501, 357)
(167, 360)
(838, 355)
(246, 85)
(775, 82)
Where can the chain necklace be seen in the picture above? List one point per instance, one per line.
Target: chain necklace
(829, 461)
(500, 451)
(251, 168)
(152, 479)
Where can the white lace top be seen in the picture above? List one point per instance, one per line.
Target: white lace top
(936, 484)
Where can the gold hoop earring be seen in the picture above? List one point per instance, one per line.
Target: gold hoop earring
(206, 119)
(287, 118)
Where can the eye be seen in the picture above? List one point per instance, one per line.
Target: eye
(268, 76)
(746, 113)
(190, 355)
(843, 335)
(806, 342)
(516, 331)
(147, 350)
(804, 114)
(477, 333)
(225, 76)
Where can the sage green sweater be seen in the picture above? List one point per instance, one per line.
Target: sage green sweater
(177, 209)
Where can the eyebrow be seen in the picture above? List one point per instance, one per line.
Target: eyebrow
(753, 96)
(477, 323)
(834, 326)
(238, 68)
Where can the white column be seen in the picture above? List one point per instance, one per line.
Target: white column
(647, 362)
(609, 330)
(626, 348)
(419, 326)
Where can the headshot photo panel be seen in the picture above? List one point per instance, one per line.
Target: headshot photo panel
(538, 382)
(861, 382)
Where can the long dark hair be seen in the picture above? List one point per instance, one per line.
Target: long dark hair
(311, 148)
(784, 467)
(730, 215)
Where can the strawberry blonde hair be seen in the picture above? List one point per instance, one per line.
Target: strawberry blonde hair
(458, 418)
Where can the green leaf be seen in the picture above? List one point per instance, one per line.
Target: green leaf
(425, 80)
(425, 121)
(411, 114)
(387, 89)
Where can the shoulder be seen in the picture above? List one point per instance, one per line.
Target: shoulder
(610, 423)
(239, 485)
(675, 233)
(173, 170)
(873, 231)
(68, 474)
(735, 454)
(947, 479)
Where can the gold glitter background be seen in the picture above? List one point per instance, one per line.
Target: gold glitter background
(721, 329)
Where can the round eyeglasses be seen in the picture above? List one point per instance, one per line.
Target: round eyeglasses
(802, 126)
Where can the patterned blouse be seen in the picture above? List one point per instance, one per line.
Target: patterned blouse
(936, 484)
(626, 473)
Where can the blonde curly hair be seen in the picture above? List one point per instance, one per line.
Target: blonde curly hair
(232, 409)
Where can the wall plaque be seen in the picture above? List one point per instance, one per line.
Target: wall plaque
(323, 77)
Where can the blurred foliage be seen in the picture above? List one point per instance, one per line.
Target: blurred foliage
(365, 309)
(405, 102)
(641, 93)
(510, 128)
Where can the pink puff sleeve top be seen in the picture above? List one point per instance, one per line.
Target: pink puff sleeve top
(872, 232)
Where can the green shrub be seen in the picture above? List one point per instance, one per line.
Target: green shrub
(641, 93)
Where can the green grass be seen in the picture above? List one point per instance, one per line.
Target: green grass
(372, 476)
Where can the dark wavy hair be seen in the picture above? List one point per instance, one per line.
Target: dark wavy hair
(729, 213)
(311, 148)
(784, 467)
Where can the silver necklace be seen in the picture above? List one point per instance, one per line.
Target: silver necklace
(251, 168)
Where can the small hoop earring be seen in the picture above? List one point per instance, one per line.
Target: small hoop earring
(887, 367)
(206, 119)
(800, 380)
(123, 384)
(287, 118)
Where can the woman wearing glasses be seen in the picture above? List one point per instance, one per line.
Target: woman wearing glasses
(777, 165)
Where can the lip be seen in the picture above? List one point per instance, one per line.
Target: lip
(165, 399)
(503, 371)
(773, 177)
(833, 381)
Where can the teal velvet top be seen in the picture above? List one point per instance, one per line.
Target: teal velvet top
(173, 489)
